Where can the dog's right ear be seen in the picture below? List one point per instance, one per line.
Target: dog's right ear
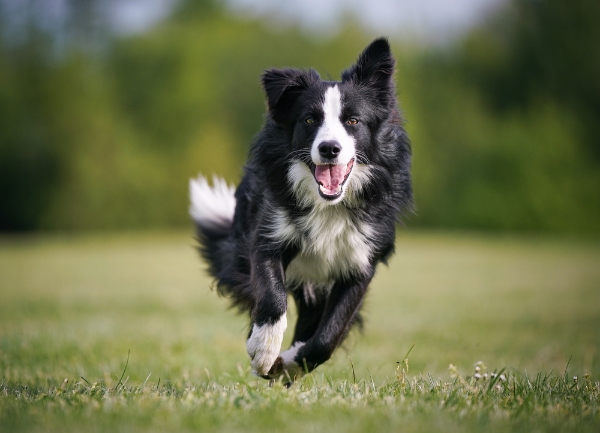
(283, 86)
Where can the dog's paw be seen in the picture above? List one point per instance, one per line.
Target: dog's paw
(263, 345)
(285, 365)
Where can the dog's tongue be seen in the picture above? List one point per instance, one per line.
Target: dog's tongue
(330, 176)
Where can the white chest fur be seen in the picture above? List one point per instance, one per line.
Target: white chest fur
(332, 244)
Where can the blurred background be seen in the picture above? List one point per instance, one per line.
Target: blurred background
(108, 107)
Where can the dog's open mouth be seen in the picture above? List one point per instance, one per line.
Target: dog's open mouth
(331, 178)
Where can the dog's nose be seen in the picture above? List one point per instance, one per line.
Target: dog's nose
(329, 149)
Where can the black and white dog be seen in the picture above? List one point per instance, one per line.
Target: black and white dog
(326, 181)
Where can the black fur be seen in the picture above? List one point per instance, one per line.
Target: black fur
(245, 256)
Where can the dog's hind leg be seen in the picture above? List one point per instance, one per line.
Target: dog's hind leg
(340, 313)
(321, 328)
(310, 303)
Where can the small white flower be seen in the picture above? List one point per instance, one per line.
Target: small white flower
(453, 370)
(479, 366)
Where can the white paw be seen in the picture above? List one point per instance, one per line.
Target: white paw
(264, 344)
(287, 358)
(285, 366)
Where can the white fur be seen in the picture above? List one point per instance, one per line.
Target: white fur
(333, 129)
(212, 207)
(332, 244)
(264, 344)
(293, 369)
(281, 227)
(304, 185)
(288, 356)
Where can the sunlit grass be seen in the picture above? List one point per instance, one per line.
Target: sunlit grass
(144, 345)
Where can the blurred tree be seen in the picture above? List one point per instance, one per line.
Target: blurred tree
(34, 147)
(542, 49)
(131, 127)
(506, 123)
(503, 123)
(29, 160)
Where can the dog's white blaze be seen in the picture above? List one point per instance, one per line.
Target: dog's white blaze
(212, 207)
(264, 344)
(333, 129)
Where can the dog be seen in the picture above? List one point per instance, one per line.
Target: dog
(326, 181)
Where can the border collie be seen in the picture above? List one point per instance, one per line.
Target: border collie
(326, 181)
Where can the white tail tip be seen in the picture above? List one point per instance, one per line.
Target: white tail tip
(212, 207)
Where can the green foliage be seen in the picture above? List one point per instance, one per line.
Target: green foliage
(540, 48)
(503, 123)
(30, 160)
(524, 169)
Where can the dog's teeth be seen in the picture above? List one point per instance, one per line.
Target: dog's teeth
(329, 192)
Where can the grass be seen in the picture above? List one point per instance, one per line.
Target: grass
(122, 333)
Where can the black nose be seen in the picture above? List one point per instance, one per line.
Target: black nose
(329, 149)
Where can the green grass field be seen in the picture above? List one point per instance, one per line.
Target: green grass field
(123, 333)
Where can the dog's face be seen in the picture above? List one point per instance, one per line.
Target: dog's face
(331, 125)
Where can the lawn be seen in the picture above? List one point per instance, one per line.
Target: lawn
(122, 332)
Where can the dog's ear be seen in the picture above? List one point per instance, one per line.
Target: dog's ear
(283, 86)
(374, 68)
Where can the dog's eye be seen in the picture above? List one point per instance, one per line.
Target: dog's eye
(352, 121)
(309, 120)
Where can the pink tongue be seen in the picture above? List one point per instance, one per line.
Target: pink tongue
(330, 176)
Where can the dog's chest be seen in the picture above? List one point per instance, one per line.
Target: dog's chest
(333, 243)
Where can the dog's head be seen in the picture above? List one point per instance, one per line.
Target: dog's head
(332, 125)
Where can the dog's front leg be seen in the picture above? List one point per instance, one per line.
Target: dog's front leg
(268, 314)
(341, 310)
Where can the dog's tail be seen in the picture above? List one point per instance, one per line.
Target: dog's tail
(212, 209)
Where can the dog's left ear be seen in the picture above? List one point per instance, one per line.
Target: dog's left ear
(283, 87)
(374, 68)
